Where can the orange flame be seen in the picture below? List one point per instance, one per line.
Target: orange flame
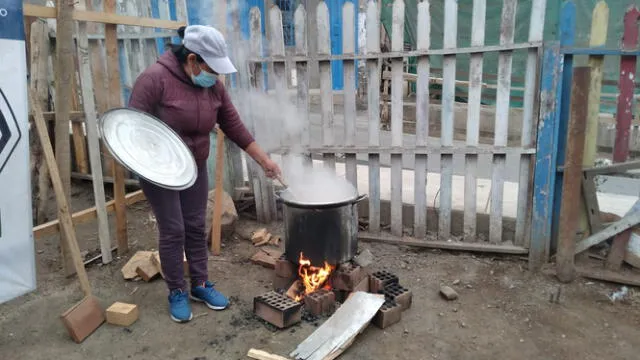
(313, 278)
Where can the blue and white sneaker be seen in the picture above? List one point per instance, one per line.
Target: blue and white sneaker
(179, 306)
(211, 297)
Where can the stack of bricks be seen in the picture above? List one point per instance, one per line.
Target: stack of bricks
(397, 298)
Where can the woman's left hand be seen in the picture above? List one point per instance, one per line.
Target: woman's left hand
(271, 169)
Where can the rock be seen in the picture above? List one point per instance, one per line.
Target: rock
(365, 258)
(456, 282)
(448, 293)
(229, 214)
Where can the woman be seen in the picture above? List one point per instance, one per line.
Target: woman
(182, 90)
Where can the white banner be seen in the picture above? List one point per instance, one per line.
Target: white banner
(17, 257)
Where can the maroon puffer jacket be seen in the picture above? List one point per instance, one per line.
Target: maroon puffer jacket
(165, 91)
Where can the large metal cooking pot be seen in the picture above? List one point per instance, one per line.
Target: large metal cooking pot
(321, 231)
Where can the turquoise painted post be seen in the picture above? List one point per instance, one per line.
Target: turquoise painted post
(544, 177)
(567, 39)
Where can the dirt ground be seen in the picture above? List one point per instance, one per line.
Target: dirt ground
(503, 311)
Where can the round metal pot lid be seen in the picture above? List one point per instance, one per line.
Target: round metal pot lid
(289, 198)
(148, 147)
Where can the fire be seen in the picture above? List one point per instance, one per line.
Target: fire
(312, 277)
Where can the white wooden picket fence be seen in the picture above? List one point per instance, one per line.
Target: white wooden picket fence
(398, 147)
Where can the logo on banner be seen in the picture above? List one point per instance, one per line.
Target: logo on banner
(9, 131)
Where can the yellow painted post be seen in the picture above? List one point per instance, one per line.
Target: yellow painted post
(599, 26)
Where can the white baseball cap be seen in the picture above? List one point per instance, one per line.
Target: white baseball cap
(209, 43)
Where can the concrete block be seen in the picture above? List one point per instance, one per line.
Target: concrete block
(379, 279)
(347, 277)
(399, 294)
(389, 314)
(320, 302)
(363, 285)
(122, 314)
(277, 309)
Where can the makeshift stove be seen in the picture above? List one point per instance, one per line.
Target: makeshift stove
(304, 290)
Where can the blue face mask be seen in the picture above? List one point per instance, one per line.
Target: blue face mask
(204, 79)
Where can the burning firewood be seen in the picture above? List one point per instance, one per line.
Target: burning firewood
(295, 291)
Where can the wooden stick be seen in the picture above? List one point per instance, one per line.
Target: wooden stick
(63, 78)
(571, 193)
(88, 102)
(263, 355)
(113, 71)
(80, 217)
(216, 227)
(102, 17)
(61, 198)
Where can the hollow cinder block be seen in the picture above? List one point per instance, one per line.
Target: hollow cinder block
(399, 294)
(277, 309)
(347, 277)
(320, 302)
(379, 279)
(389, 314)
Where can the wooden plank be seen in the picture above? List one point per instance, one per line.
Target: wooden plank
(545, 163)
(216, 226)
(349, 31)
(628, 221)
(63, 78)
(598, 38)
(397, 44)
(263, 355)
(114, 96)
(263, 199)
(81, 217)
(473, 121)
(409, 150)
(326, 87)
(403, 54)
(624, 117)
(422, 122)
(505, 62)
(302, 76)
(278, 73)
(373, 101)
(448, 102)
(77, 130)
(571, 194)
(62, 198)
(447, 245)
(102, 17)
(536, 32)
(39, 58)
(89, 107)
(591, 204)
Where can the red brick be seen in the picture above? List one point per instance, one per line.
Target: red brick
(277, 309)
(83, 318)
(280, 283)
(379, 279)
(347, 277)
(320, 302)
(285, 268)
(389, 314)
(399, 294)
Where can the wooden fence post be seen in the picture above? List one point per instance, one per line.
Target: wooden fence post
(572, 182)
(63, 78)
